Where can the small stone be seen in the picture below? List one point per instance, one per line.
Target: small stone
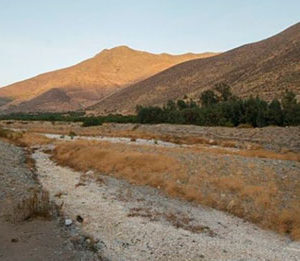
(79, 219)
(100, 245)
(211, 141)
(89, 173)
(68, 222)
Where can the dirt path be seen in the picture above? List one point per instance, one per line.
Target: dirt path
(139, 223)
(23, 236)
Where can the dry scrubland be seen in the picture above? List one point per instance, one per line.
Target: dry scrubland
(251, 173)
(263, 191)
(276, 139)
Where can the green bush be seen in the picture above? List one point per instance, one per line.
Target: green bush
(225, 109)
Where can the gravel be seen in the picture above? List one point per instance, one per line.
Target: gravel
(15, 178)
(23, 235)
(129, 222)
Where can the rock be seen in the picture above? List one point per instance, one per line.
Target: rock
(68, 222)
(100, 245)
(79, 219)
(89, 173)
(14, 240)
(212, 142)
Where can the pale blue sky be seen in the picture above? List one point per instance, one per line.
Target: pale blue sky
(42, 35)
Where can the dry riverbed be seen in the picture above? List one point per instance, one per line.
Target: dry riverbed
(29, 227)
(129, 222)
(119, 189)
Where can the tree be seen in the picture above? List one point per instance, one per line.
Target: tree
(224, 90)
(208, 98)
(181, 105)
(275, 114)
(190, 115)
(291, 109)
(150, 115)
(288, 99)
(171, 106)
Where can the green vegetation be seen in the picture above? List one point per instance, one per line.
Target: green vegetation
(118, 118)
(217, 107)
(70, 116)
(9, 134)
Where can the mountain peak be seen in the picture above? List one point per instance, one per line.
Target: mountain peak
(89, 81)
(117, 50)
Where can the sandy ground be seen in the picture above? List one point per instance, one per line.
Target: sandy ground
(129, 222)
(23, 236)
(36, 240)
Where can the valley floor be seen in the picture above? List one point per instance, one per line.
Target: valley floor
(158, 192)
(131, 222)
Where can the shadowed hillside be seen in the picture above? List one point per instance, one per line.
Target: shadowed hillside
(264, 68)
(89, 81)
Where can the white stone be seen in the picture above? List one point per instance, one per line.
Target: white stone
(68, 222)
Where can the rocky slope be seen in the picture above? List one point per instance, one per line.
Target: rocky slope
(264, 68)
(87, 82)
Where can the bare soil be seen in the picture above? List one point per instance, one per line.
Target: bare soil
(28, 231)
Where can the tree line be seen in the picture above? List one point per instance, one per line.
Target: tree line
(219, 107)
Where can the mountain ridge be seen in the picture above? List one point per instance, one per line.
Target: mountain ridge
(89, 81)
(265, 68)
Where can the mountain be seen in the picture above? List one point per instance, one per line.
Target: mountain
(264, 68)
(87, 82)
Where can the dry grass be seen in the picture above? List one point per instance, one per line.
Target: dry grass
(251, 153)
(137, 167)
(31, 139)
(35, 203)
(260, 197)
(247, 149)
(23, 138)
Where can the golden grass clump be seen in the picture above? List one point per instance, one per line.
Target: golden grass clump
(31, 139)
(23, 138)
(137, 167)
(262, 198)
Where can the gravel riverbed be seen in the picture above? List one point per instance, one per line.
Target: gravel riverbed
(129, 222)
(23, 234)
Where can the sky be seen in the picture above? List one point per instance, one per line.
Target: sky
(37, 36)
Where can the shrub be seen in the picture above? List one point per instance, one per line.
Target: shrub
(72, 134)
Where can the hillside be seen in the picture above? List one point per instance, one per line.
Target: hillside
(87, 82)
(264, 68)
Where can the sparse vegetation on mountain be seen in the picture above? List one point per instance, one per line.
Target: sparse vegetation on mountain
(88, 82)
(264, 68)
(218, 107)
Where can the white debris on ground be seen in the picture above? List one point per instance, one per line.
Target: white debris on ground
(129, 141)
(112, 140)
(140, 223)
